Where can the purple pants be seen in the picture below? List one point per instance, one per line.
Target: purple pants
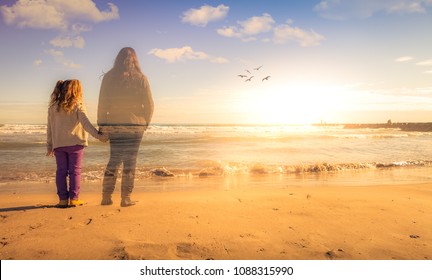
(68, 161)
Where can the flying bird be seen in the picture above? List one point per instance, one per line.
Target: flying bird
(248, 71)
(266, 78)
(250, 79)
(242, 76)
(258, 68)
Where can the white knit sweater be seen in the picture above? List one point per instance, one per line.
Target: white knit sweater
(69, 129)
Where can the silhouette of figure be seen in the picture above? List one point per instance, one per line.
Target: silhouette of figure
(124, 112)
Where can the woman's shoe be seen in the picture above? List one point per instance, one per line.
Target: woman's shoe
(76, 202)
(106, 200)
(126, 202)
(63, 203)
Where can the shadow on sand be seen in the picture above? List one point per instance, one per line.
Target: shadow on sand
(25, 208)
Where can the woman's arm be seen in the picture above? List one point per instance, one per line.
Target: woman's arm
(103, 110)
(148, 102)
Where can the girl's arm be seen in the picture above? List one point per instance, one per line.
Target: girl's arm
(85, 122)
(50, 151)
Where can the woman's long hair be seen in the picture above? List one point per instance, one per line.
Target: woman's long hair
(66, 95)
(126, 66)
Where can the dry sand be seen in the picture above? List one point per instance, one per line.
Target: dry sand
(215, 219)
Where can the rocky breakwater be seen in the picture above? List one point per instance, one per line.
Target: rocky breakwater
(423, 127)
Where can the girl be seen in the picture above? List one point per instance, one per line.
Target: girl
(67, 136)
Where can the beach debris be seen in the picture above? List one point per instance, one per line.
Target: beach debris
(89, 221)
(161, 172)
(414, 236)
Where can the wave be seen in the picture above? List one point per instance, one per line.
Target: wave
(257, 169)
(219, 169)
(236, 133)
(223, 150)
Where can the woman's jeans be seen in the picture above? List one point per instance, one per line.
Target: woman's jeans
(68, 161)
(124, 145)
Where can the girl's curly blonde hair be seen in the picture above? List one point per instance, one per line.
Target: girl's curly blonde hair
(66, 95)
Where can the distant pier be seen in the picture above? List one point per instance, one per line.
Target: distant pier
(408, 126)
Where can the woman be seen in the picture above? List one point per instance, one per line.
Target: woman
(124, 112)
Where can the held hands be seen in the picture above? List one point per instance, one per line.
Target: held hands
(103, 136)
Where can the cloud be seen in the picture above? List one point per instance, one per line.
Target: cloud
(205, 14)
(34, 14)
(346, 9)
(37, 62)
(55, 14)
(183, 54)
(249, 29)
(67, 41)
(245, 30)
(285, 33)
(408, 7)
(425, 63)
(69, 18)
(60, 58)
(404, 59)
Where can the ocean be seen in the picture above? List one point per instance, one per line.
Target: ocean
(222, 150)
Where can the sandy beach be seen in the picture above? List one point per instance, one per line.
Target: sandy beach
(239, 218)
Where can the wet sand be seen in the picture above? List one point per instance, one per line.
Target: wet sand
(241, 218)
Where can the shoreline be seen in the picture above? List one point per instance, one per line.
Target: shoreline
(391, 175)
(315, 173)
(238, 218)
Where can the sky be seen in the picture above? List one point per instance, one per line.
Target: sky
(332, 61)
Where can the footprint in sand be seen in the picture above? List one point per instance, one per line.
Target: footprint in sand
(4, 242)
(191, 251)
(119, 252)
(248, 235)
(331, 255)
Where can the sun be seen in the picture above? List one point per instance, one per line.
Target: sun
(292, 104)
